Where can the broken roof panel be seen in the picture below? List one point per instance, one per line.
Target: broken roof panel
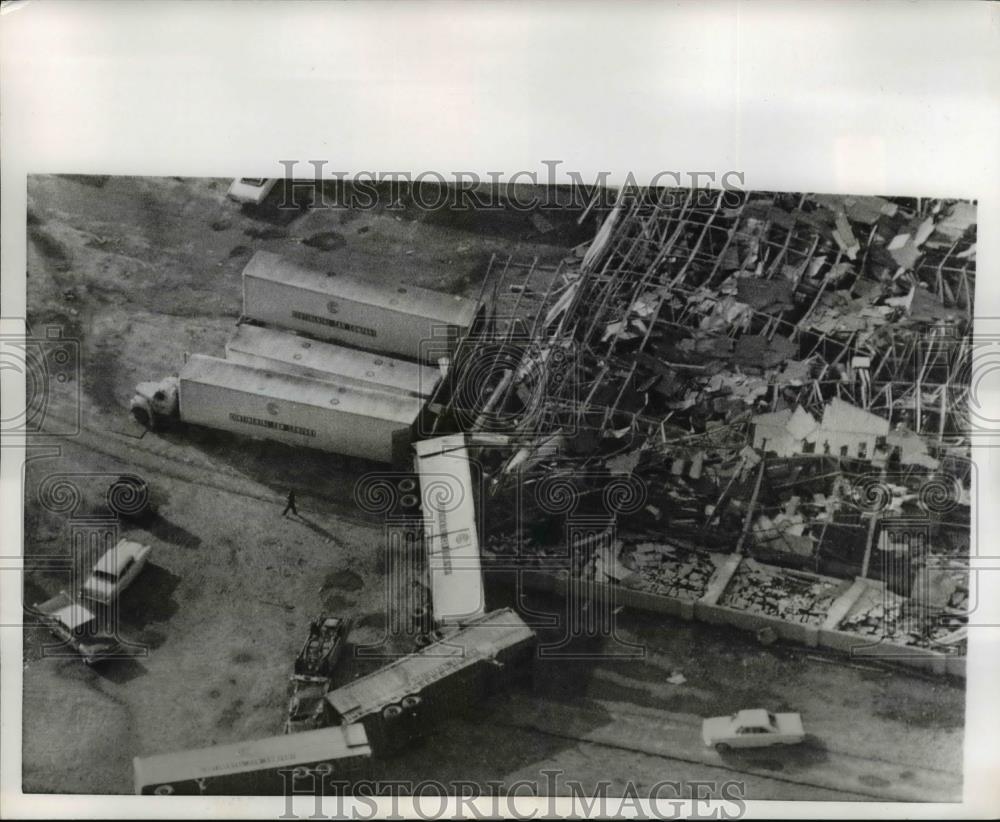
(845, 418)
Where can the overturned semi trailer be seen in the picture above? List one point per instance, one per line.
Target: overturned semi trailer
(451, 534)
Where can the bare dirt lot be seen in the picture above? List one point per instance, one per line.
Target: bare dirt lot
(142, 270)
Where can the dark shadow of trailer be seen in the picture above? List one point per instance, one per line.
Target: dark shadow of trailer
(400, 702)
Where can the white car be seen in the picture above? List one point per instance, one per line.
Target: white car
(253, 190)
(115, 571)
(754, 728)
(77, 626)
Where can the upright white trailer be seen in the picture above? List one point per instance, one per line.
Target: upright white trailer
(411, 322)
(345, 419)
(289, 353)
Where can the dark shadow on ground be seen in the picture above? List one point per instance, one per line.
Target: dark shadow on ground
(170, 532)
(120, 671)
(150, 599)
(779, 758)
(313, 526)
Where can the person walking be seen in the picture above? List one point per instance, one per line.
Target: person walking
(290, 504)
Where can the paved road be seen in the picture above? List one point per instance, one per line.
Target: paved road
(678, 736)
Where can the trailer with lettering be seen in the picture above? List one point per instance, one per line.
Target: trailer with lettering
(340, 417)
(399, 319)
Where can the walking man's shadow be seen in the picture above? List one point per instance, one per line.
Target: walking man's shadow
(315, 527)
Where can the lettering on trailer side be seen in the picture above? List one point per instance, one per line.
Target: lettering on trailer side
(278, 426)
(445, 548)
(357, 329)
(241, 764)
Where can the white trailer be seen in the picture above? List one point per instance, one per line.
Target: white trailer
(344, 419)
(401, 701)
(451, 536)
(275, 766)
(290, 353)
(405, 320)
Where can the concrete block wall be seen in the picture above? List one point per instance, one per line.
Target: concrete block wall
(744, 620)
(707, 610)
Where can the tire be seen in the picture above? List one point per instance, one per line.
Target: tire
(721, 747)
(163, 790)
(422, 641)
(392, 712)
(142, 417)
(411, 702)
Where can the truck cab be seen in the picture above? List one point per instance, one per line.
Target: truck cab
(155, 401)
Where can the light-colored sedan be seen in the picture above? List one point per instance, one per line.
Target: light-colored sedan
(753, 728)
(253, 190)
(115, 571)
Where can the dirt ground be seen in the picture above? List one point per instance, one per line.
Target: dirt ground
(142, 270)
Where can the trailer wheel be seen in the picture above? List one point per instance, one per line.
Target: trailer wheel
(391, 712)
(142, 417)
(411, 702)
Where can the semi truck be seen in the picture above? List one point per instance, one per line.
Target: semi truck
(398, 703)
(291, 353)
(339, 417)
(403, 320)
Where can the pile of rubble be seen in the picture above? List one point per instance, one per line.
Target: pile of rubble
(885, 616)
(770, 374)
(788, 596)
(662, 568)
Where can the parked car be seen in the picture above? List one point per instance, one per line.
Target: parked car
(306, 703)
(312, 675)
(753, 728)
(76, 625)
(115, 571)
(253, 190)
(323, 647)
